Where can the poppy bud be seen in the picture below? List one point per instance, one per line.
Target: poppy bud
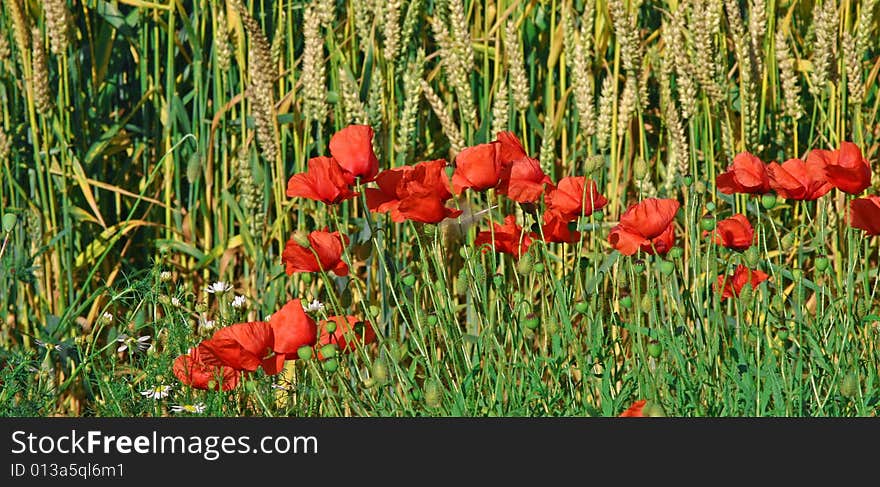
(374, 311)
(433, 393)
(687, 179)
(305, 352)
(646, 305)
(782, 333)
(666, 267)
(302, 239)
(431, 320)
(380, 370)
(531, 322)
(849, 386)
(822, 264)
(593, 164)
(524, 265)
(745, 294)
(640, 169)
(699, 187)
(654, 348)
(751, 256)
(626, 302)
(768, 201)
(330, 326)
(788, 241)
(8, 222)
(581, 307)
(538, 268)
(399, 351)
(330, 365)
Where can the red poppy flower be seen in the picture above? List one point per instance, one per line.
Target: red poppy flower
(242, 346)
(735, 233)
(865, 214)
(477, 168)
(731, 286)
(647, 226)
(328, 248)
(574, 196)
(846, 169)
(521, 178)
(350, 332)
(798, 180)
(635, 411)
(190, 370)
(324, 181)
(555, 229)
(352, 147)
(415, 193)
(747, 174)
(293, 329)
(508, 238)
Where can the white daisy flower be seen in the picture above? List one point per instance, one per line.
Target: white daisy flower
(175, 302)
(239, 302)
(315, 305)
(218, 287)
(165, 276)
(106, 318)
(157, 392)
(47, 346)
(197, 408)
(207, 324)
(133, 344)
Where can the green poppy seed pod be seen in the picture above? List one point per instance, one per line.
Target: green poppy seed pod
(707, 223)
(9, 222)
(305, 352)
(710, 206)
(433, 393)
(654, 348)
(581, 307)
(751, 256)
(301, 238)
(822, 264)
(329, 351)
(330, 326)
(380, 370)
(524, 265)
(640, 169)
(666, 267)
(538, 268)
(639, 266)
(431, 320)
(306, 277)
(409, 280)
(687, 179)
(531, 322)
(849, 385)
(782, 333)
(626, 302)
(330, 365)
(676, 253)
(768, 201)
(374, 311)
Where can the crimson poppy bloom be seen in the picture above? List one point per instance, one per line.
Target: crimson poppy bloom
(635, 411)
(864, 213)
(192, 371)
(350, 333)
(735, 233)
(647, 226)
(510, 146)
(508, 238)
(574, 196)
(415, 193)
(477, 167)
(293, 329)
(325, 245)
(799, 180)
(352, 147)
(731, 286)
(845, 168)
(521, 178)
(242, 346)
(556, 229)
(747, 174)
(324, 181)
